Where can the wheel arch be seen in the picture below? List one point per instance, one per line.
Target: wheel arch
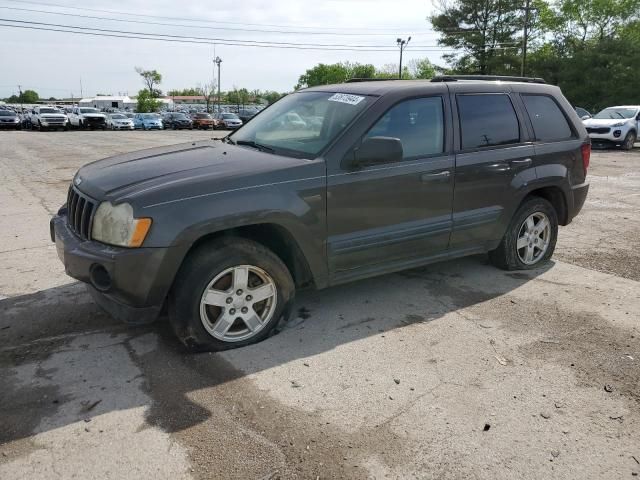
(276, 238)
(556, 197)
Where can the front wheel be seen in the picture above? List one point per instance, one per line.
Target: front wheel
(228, 294)
(530, 238)
(629, 141)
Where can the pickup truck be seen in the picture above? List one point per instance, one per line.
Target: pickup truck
(46, 118)
(86, 117)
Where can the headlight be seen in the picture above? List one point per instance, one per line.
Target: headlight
(619, 124)
(115, 225)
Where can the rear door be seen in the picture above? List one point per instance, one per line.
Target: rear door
(390, 215)
(494, 157)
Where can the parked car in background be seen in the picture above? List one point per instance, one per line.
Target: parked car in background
(119, 121)
(220, 235)
(246, 114)
(46, 118)
(177, 121)
(203, 121)
(147, 121)
(229, 121)
(87, 117)
(583, 114)
(615, 126)
(10, 119)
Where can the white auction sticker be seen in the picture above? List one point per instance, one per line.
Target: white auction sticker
(346, 98)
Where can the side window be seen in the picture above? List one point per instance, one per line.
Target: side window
(549, 123)
(418, 123)
(487, 120)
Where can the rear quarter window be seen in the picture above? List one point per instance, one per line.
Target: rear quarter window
(549, 123)
(487, 120)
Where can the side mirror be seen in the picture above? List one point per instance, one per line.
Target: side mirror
(585, 117)
(378, 150)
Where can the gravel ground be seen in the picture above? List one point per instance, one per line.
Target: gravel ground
(457, 370)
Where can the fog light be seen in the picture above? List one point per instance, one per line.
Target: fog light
(100, 278)
(617, 133)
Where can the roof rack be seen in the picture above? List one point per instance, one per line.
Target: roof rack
(356, 80)
(487, 78)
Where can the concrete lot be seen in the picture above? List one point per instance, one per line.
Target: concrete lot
(457, 370)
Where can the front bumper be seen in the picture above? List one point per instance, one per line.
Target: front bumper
(136, 286)
(610, 137)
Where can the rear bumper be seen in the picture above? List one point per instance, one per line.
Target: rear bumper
(130, 283)
(579, 194)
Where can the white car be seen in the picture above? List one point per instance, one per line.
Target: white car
(45, 118)
(119, 121)
(87, 117)
(615, 125)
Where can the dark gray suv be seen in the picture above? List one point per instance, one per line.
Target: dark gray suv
(328, 185)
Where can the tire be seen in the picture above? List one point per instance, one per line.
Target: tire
(629, 141)
(212, 266)
(40, 127)
(543, 243)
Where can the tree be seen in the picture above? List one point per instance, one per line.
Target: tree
(151, 79)
(272, 96)
(323, 74)
(29, 96)
(147, 102)
(208, 90)
(185, 92)
(421, 69)
(484, 31)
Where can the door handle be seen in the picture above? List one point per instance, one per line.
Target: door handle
(436, 176)
(526, 161)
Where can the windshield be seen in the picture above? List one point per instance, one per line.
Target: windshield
(118, 116)
(88, 110)
(180, 116)
(203, 115)
(303, 123)
(151, 116)
(616, 113)
(48, 110)
(230, 116)
(6, 113)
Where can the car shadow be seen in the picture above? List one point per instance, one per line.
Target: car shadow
(60, 353)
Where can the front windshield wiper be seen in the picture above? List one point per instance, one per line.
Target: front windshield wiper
(251, 143)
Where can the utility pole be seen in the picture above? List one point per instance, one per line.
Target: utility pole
(525, 37)
(81, 94)
(20, 91)
(218, 61)
(402, 44)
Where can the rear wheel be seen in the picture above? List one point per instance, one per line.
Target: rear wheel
(229, 293)
(629, 141)
(530, 238)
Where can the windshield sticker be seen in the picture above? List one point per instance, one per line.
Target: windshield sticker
(346, 98)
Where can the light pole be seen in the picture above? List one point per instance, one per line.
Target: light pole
(402, 44)
(218, 61)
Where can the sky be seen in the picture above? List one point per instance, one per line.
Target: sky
(55, 64)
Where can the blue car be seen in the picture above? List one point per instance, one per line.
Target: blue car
(147, 121)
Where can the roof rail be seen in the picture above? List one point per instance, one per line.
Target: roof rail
(487, 78)
(356, 80)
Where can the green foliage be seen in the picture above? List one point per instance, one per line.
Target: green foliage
(151, 79)
(185, 92)
(28, 96)
(323, 74)
(590, 48)
(147, 103)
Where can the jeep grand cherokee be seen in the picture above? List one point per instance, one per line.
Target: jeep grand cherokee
(375, 177)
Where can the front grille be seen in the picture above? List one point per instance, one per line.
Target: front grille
(95, 120)
(599, 130)
(54, 120)
(80, 210)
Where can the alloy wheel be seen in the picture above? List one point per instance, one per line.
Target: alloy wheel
(238, 303)
(533, 238)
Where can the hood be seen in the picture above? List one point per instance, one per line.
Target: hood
(94, 115)
(604, 122)
(167, 173)
(53, 115)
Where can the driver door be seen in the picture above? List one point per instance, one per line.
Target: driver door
(393, 215)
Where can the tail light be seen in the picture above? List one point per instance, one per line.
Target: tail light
(586, 156)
